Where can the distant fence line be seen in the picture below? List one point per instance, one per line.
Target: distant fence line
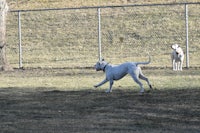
(106, 34)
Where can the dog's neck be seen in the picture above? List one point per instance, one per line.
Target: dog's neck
(105, 67)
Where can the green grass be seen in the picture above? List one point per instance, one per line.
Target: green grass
(63, 100)
(81, 79)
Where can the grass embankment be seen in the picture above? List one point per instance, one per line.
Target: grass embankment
(35, 4)
(70, 38)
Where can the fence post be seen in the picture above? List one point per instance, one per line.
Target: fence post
(187, 42)
(99, 32)
(20, 39)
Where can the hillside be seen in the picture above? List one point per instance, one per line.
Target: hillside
(69, 38)
(35, 4)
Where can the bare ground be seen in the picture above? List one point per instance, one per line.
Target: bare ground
(48, 110)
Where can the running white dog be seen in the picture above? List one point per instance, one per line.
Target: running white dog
(116, 72)
(177, 57)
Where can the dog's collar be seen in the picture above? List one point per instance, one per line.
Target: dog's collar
(105, 67)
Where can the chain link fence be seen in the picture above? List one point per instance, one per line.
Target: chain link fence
(69, 37)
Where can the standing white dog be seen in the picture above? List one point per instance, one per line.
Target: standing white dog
(177, 57)
(116, 72)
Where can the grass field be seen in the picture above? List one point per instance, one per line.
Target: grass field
(63, 100)
(49, 97)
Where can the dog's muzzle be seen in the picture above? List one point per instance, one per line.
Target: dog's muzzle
(97, 68)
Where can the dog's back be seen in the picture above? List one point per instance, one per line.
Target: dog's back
(177, 55)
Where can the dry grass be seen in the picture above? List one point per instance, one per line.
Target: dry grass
(69, 38)
(35, 4)
(78, 79)
(63, 100)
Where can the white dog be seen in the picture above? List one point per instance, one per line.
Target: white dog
(116, 72)
(177, 57)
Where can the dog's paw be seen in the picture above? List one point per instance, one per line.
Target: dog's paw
(108, 91)
(147, 91)
(141, 93)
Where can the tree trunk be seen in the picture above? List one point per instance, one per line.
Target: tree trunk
(3, 59)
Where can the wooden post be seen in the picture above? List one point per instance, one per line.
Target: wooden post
(3, 59)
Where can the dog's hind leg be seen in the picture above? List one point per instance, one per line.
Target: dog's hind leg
(181, 65)
(141, 76)
(178, 66)
(135, 78)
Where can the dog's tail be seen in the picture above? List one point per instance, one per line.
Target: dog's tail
(144, 63)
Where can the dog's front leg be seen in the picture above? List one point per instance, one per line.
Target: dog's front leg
(174, 64)
(178, 65)
(101, 83)
(110, 89)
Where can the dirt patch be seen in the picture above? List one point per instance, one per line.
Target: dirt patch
(50, 110)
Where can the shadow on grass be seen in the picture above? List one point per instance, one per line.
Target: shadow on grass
(51, 110)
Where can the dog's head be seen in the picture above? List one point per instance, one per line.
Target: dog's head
(177, 49)
(100, 65)
(174, 46)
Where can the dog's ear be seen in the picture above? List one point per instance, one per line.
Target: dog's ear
(174, 46)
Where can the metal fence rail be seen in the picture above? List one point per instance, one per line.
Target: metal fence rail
(77, 37)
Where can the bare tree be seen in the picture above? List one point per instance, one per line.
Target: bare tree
(3, 59)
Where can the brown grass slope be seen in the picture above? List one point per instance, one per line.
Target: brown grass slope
(34, 4)
(60, 38)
